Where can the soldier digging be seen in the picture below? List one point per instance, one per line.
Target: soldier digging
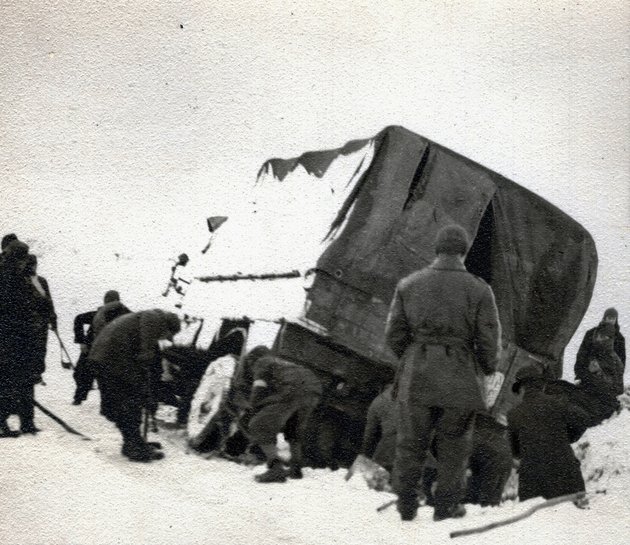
(128, 361)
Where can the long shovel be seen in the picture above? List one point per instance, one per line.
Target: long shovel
(67, 363)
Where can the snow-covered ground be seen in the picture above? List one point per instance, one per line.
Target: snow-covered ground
(60, 489)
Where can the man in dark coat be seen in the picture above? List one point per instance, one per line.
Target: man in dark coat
(603, 372)
(443, 325)
(128, 361)
(84, 372)
(600, 380)
(42, 317)
(26, 311)
(12, 314)
(283, 397)
(539, 433)
(585, 352)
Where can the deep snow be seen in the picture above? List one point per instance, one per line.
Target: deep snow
(59, 489)
(84, 492)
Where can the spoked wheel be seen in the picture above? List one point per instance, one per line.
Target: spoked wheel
(209, 400)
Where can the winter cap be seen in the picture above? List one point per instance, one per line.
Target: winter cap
(256, 353)
(6, 239)
(529, 373)
(111, 296)
(452, 240)
(16, 249)
(172, 322)
(612, 312)
(606, 329)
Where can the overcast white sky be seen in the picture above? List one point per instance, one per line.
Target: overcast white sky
(122, 122)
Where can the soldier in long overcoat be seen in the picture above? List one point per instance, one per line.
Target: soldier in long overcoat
(127, 356)
(539, 432)
(26, 311)
(588, 345)
(443, 325)
(41, 317)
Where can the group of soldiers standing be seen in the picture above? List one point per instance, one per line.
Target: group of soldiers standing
(26, 313)
(432, 426)
(428, 428)
(122, 354)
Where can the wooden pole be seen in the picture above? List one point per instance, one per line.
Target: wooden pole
(529, 512)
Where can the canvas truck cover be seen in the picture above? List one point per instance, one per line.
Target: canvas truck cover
(540, 263)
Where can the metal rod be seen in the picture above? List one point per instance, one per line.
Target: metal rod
(234, 277)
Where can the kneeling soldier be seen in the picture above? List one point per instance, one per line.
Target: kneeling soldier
(283, 397)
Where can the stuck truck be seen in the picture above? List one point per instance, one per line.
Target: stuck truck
(540, 263)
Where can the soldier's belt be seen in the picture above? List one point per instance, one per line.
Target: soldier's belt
(428, 340)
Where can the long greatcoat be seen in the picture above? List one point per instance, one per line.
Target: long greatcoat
(443, 305)
(586, 350)
(127, 357)
(42, 315)
(24, 318)
(539, 432)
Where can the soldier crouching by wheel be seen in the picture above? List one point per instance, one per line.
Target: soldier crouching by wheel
(127, 357)
(283, 397)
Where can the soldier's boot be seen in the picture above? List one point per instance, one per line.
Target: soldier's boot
(407, 505)
(135, 448)
(274, 474)
(6, 431)
(581, 502)
(29, 427)
(295, 465)
(140, 452)
(448, 512)
(295, 472)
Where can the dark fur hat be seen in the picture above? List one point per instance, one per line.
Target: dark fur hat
(452, 240)
(110, 296)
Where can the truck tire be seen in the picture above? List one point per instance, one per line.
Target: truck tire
(209, 400)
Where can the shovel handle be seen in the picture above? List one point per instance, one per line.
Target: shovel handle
(63, 349)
